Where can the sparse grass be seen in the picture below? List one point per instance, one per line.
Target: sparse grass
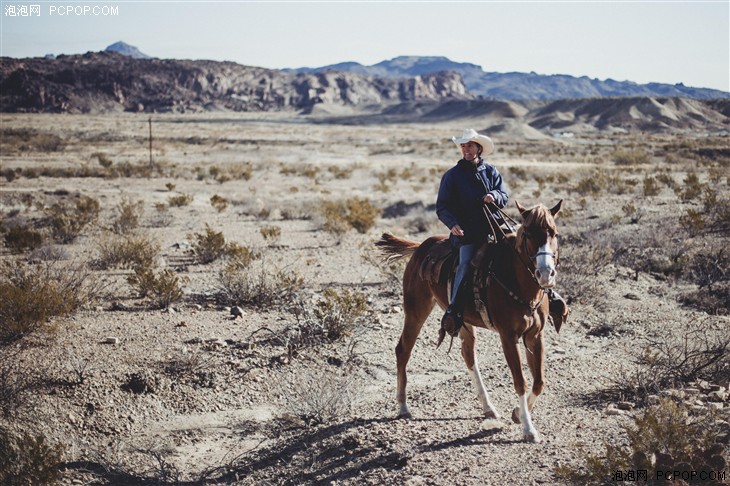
(179, 200)
(128, 216)
(355, 213)
(210, 246)
(320, 396)
(28, 459)
(218, 202)
(663, 439)
(127, 252)
(271, 234)
(19, 140)
(161, 287)
(339, 312)
(68, 220)
(632, 157)
(262, 288)
(30, 296)
(20, 238)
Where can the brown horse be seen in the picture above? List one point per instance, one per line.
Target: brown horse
(513, 292)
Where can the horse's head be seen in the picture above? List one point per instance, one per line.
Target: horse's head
(537, 240)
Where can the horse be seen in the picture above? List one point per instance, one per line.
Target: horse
(515, 276)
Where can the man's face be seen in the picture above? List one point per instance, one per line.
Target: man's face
(470, 151)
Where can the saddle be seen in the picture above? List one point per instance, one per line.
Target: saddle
(439, 262)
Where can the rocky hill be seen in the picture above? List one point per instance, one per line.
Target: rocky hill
(109, 81)
(519, 86)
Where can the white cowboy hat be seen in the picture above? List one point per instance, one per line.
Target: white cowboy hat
(471, 136)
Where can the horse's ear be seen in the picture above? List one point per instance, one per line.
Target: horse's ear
(520, 208)
(556, 209)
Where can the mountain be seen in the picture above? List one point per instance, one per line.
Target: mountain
(519, 86)
(127, 50)
(109, 81)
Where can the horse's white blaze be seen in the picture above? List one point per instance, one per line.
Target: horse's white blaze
(529, 431)
(545, 266)
(476, 378)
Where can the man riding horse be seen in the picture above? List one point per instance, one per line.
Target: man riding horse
(465, 191)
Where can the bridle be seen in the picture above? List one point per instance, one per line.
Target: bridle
(531, 266)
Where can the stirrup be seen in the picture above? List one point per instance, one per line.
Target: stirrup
(452, 321)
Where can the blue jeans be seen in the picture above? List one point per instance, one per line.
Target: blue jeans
(466, 252)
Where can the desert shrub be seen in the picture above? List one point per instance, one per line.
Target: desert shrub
(630, 157)
(691, 189)
(340, 172)
(128, 216)
(241, 285)
(271, 233)
(28, 459)
(103, 159)
(630, 211)
(16, 140)
(30, 296)
(699, 353)
(319, 397)
(579, 265)
(592, 184)
(240, 171)
(161, 287)
(179, 200)
(209, 246)
(67, 221)
(17, 382)
(127, 252)
(27, 302)
(20, 238)
(651, 187)
(170, 186)
(338, 313)
(219, 203)
(355, 213)
(665, 439)
(692, 221)
(48, 253)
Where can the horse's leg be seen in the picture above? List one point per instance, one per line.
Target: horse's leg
(418, 303)
(468, 342)
(510, 346)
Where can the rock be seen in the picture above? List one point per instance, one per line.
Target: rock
(110, 340)
(236, 312)
(631, 296)
(625, 406)
(716, 405)
(611, 410)
(717, 395)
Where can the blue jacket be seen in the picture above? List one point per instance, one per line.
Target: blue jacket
(459, 201)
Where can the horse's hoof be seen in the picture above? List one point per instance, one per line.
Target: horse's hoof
(532, 436)
(491, 414)
(516, 415)
(404, 413)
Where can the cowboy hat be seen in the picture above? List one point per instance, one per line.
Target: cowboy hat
(471, 136)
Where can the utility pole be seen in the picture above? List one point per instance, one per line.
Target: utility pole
(150, 122)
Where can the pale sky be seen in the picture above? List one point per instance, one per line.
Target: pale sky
(642, 41)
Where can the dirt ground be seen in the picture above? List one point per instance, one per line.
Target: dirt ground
(228, 403)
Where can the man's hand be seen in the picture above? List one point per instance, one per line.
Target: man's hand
(488, 199)
(457, 231)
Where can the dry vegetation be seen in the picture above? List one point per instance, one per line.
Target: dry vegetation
(218, 316)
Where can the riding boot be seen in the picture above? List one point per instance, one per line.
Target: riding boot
(453, 318)
(558, 309)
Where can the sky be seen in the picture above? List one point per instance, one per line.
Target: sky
(632, 40)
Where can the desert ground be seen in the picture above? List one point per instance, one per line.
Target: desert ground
(275, 363)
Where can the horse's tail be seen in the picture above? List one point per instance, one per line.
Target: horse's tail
(393, 247)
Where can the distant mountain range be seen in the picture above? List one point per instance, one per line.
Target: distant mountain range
(128, 50)
(404, 89)
(517, 86)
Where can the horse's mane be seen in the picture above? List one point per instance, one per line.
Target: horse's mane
(537, 217)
